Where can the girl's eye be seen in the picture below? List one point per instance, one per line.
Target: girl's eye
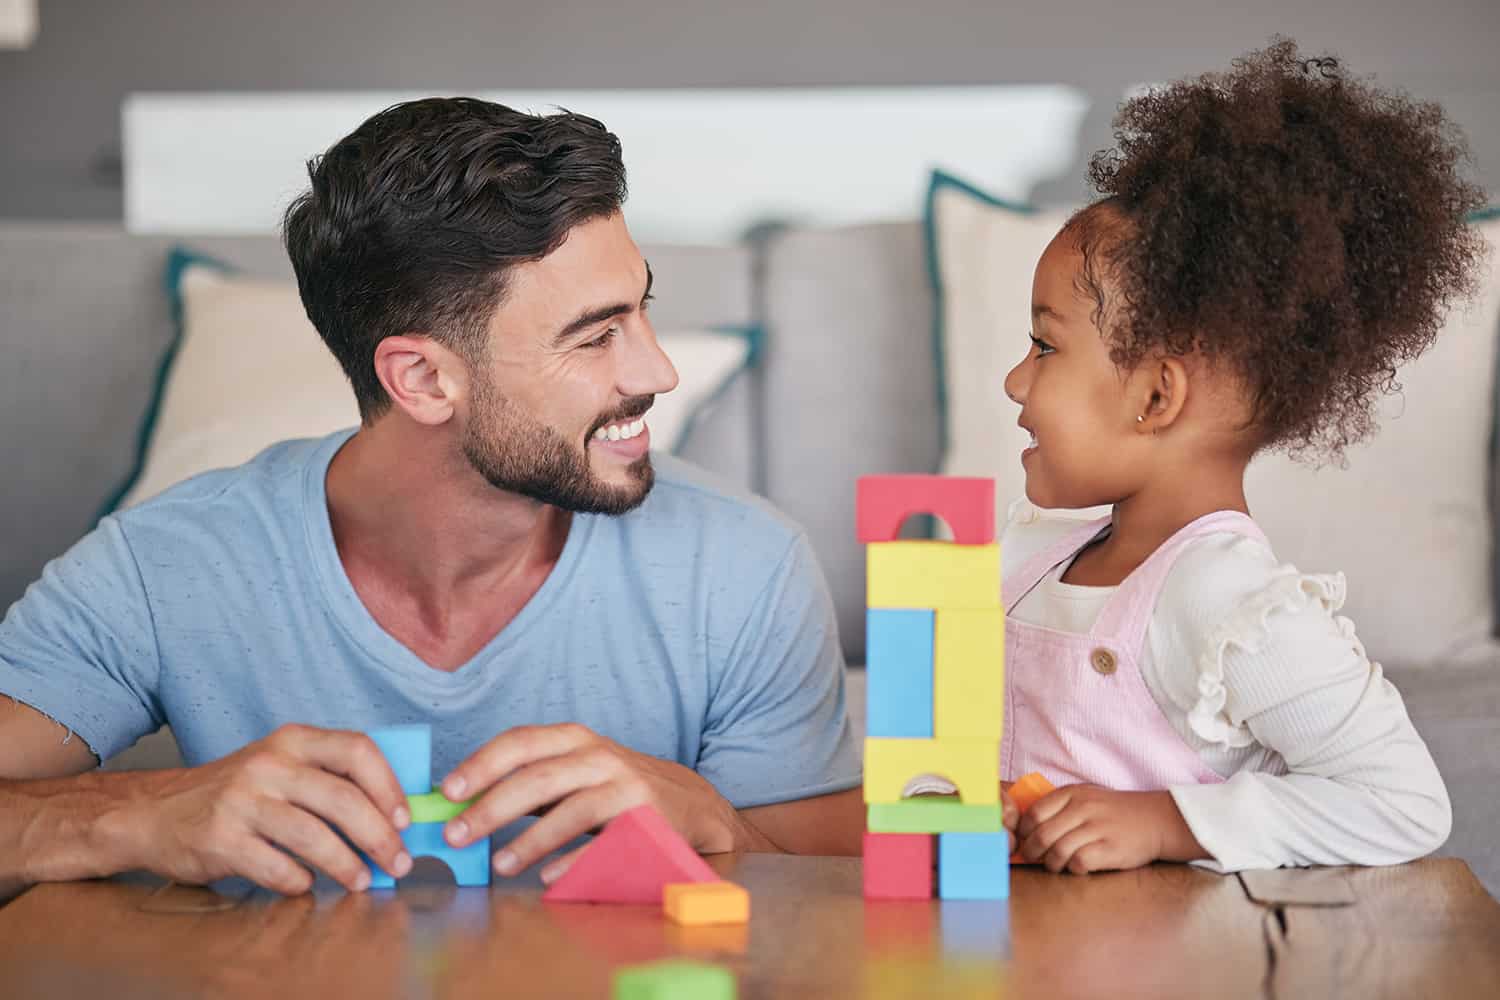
(1042, 347)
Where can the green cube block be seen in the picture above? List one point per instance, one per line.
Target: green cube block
(434, 807)
(933, 815)
(674, 979)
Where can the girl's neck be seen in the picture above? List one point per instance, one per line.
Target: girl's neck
(1142, 522)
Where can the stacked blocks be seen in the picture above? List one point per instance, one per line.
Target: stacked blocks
(408, 750)
(935, 649)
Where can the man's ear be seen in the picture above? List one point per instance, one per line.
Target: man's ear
(1164, 387)
(424, 379)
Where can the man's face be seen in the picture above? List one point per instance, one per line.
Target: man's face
(558, 407)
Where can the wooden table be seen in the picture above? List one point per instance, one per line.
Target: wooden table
(1425, 929)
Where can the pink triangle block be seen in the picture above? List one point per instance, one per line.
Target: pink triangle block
(630, 861)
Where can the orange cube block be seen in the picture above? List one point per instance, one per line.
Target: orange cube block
(698, 903)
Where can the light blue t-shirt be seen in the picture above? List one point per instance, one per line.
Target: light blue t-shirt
(696, 628)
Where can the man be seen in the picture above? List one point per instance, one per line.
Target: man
(486, 553)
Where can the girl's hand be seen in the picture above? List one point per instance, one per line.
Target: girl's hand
(1010, 816)
(1085, 828)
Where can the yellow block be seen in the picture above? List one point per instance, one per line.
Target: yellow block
(969, 674)
(972, 765)
(932, 575)
(696, 903)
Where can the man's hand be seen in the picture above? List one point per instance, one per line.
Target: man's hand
(1085, 828)
(250, 813)
(582, 781)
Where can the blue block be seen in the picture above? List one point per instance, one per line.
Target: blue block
(973, 866)
(470, 865)
(898, 673)
(408, 749)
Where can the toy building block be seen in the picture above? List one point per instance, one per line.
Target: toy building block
(969, 672)
(408, 749)
(932, 575)
(470, 865)
(699, 903)
(898, 673)
(967, 505)
(435, 807)
(973, 866)
(1027, 789)
(898, 865)
(637, 854)
(1024, 792)
(972, 766)
(932, 814)
(674, 979)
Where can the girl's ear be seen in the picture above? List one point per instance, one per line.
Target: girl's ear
(1166, 391)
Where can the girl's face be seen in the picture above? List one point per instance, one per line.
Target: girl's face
(1074, 400)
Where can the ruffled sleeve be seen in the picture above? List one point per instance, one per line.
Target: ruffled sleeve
(1247, 629)
(1346, 779)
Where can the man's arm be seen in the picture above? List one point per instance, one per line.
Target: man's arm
(32, 840)
(247, 815)
(826, 824)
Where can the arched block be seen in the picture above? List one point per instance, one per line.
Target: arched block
(966, 504)
(973, 767)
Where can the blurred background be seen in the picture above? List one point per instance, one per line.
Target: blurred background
(62, 95)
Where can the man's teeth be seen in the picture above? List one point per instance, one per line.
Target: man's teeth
(620, 432)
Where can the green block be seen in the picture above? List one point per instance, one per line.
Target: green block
(933, 815)
(434, 807)
(674, 979)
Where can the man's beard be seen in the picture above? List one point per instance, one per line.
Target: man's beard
(517, 453)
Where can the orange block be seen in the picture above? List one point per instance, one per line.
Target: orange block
(1024, 792)
(697, 903)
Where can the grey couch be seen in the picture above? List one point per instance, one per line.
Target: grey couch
(845, 385)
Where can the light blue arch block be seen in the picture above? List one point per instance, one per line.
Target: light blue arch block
(470, 865)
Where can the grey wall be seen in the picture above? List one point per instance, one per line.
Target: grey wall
(60, 100)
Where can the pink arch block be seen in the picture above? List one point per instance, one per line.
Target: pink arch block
(967, 504)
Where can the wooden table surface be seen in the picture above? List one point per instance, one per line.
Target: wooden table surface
(1425, 929)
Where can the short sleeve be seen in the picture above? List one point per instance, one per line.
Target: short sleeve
(80, 647)
(777, 727)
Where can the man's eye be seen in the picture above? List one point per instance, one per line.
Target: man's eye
(603, 339)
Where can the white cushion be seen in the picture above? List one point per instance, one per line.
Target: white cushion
(250, 370)
(984, 254)
(1406, 521)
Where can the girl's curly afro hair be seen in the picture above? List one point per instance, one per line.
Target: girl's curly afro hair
(1302, 227)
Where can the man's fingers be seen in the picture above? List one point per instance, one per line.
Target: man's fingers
(354, 756)
(573, 817)
(310, 839)
(512, 749)
(344, 804)
(269, 868)
(547, 781)
(558, 868)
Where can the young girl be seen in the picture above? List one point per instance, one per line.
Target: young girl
(1272, 243)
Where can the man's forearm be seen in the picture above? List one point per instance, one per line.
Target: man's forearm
(63, 829)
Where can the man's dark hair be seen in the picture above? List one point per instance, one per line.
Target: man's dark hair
(414, 220)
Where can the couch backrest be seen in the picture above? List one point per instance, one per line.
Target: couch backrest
(84, 323)
(850, 382)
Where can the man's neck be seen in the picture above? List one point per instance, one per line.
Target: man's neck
(440, 558)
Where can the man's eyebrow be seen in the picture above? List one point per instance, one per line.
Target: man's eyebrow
(599, 314)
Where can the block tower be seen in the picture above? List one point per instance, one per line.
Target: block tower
(934, 648)
(408, 749)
